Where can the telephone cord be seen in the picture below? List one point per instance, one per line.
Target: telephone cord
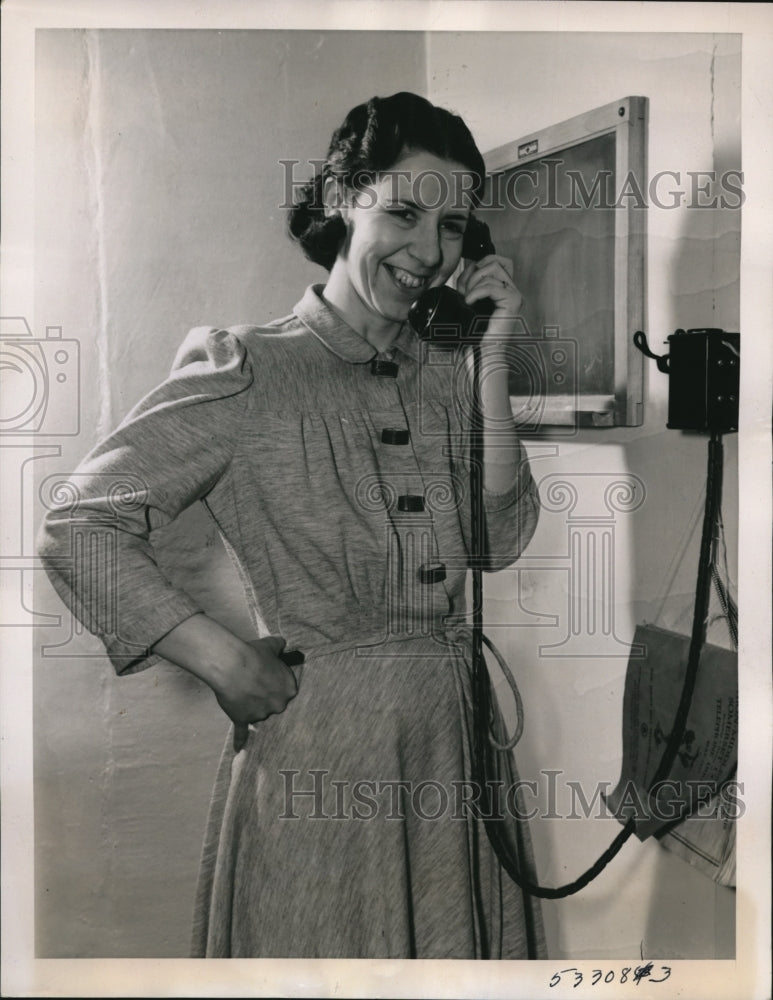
(483, 743)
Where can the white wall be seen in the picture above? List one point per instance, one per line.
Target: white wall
(506, 86)
(158, 190)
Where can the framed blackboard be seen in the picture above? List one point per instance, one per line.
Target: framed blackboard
(568, 205)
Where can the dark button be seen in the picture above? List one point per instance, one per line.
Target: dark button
(410, 502)
(292, 657)
(395, 435)
(432, 573)
(385, 369)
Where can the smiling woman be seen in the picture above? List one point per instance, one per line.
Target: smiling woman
(403, 238)
(343, 820)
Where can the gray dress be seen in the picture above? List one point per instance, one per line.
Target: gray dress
(346, 827)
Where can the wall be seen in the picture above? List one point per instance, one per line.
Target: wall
(648, 901)
(157, 194)
(158, 190)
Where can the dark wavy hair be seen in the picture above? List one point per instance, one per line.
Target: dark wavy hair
(372, 138)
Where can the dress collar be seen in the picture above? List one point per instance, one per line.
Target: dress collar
(340, 338)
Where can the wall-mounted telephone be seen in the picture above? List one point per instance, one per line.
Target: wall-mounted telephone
(441, 314)
(703, 368)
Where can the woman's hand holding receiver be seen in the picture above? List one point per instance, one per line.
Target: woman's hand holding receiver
(492, 278)
(249, 679)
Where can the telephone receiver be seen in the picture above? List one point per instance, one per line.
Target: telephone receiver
(441, 314)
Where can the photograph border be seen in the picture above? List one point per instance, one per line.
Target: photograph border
(748, 976)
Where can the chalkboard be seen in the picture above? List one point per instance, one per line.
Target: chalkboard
(563, 205)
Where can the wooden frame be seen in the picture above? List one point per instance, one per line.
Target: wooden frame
(579, 250)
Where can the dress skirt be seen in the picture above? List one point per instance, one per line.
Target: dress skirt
(346, 827)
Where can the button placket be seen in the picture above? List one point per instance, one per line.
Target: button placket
(395, 435)
(432, 572)
(410, 503)
(412, 607)
(385, 366)
(414, 542)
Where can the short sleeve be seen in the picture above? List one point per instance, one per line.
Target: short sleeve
(168, 452)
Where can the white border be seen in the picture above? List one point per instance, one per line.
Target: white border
(746, 977)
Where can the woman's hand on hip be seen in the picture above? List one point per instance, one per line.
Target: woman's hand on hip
(257, 684)
(249, 679)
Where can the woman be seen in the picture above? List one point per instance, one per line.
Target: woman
(339, 826)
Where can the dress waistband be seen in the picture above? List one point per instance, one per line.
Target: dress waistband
(441, 642)
(450, 640)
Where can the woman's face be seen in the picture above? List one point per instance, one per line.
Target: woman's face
(405, 233)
